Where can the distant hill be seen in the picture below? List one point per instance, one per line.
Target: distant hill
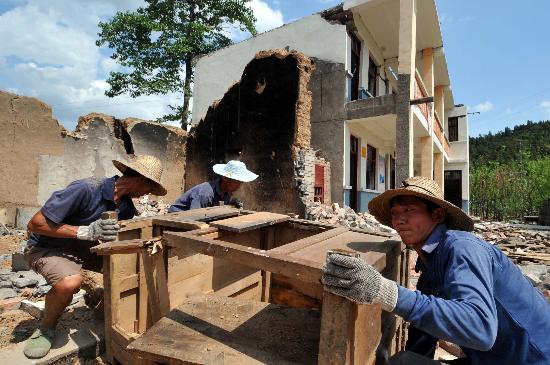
(527, 141)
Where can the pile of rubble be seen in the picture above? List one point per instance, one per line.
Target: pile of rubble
(147, 207)
(334, 214)
(528, 248)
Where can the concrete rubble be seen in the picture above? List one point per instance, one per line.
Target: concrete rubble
(334, 214)
(147, 206)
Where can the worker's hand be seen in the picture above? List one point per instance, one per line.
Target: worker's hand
(353, 278)
(101, 229)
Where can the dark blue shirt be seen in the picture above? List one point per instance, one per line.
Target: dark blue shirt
(80, 204)
(471, 294)
(203, 195)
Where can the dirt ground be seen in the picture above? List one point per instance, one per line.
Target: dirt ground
(8, 245)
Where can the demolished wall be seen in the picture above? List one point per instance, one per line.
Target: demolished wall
(38, 156)
(264, 120)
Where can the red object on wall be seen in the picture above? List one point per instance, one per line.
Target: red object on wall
(319, 185)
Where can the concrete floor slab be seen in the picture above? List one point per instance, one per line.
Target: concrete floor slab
(87, 341)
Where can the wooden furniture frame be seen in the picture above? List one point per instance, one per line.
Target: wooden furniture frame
(158, 262)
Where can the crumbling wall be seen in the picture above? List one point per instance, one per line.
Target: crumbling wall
(264, 120)
(328, 116)
(98, 139)
(28, 131)
(38, 156)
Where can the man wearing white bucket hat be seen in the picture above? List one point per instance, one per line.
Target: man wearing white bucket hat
(69, 223)
(468, 292)
(230, 177)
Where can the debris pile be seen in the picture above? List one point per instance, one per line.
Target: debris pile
(528, 248)
(334, 214)
(147, 207)
(519, 243)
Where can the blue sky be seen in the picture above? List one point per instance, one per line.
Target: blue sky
(498, 54)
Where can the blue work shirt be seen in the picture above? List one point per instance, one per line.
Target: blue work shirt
(203, 195)
(80, 204)
(471, 294)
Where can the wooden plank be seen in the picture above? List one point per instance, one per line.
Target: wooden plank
(308, 241)
(144, 316)
(201, 215)
(350, 332)
(220, 330)
(126, 246)
(129, 282)
(249, 222)
(157, 287)
(301, 269)
(184, 225)
(107, 306)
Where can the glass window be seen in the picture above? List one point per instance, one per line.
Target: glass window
(453, 129)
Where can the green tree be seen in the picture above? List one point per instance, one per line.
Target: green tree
(158, 43)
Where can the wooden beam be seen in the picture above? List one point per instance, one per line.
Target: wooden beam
(157, 287)
(119, 247)
(300, 269)
(309, 241)
(426, 100)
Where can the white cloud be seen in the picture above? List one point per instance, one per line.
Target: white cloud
(546, 106)
(48, 51)
(483, 107)
(266, 17)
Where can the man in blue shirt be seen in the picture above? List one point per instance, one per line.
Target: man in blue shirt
(69, 223)
(229, 178)
(469, 292)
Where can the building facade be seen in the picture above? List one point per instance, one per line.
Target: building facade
(382, 104)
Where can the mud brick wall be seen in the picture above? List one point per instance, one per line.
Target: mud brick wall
(263, 120)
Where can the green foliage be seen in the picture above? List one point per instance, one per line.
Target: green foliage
(527, 141)
(510, 172)
(157, 45)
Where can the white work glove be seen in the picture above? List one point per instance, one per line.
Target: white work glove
(101, 229)
(353, 278)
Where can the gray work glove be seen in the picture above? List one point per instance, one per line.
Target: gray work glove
(101, 229)
(353, 278)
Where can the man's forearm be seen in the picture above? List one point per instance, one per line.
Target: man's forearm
(39, 224)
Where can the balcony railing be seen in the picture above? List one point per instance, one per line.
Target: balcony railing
(420, 92)
(438, 130)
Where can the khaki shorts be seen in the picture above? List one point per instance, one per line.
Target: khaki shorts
(55, 264)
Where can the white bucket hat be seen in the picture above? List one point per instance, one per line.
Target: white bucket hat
(235, 170)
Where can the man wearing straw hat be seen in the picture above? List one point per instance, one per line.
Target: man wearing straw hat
(468, 292)
(229, 178)
(69, 223)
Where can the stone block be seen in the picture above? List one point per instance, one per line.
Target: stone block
(5, 284)
(35, 309)
(5, 274)
(6, 293)
(24, 279)
(40, 291)
(18, 262)
(24, 215)
(7, 216)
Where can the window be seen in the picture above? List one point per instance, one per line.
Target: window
(453, 129)
(371, 167)
(373, 71)
(355, 64)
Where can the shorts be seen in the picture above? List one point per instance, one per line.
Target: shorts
(55, 264)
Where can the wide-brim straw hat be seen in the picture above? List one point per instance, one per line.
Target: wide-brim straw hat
(235, 170)
(147, 166)
(425, 188)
